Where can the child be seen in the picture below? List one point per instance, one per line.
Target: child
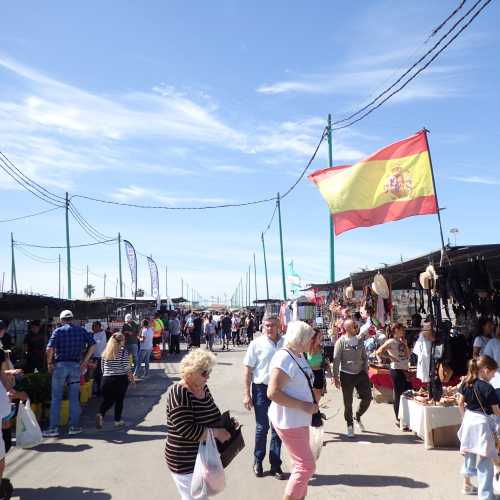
(477, 403)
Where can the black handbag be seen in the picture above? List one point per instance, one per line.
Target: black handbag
(317, 418)
(234, 444)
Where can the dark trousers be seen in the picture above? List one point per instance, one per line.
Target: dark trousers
(114, 388)
(175, 344)
(400, 384)
(97, 376)
(261, 406)
(236, 338)
(361, 383)
(249, 336)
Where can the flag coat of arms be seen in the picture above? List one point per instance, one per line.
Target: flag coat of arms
(393, 183)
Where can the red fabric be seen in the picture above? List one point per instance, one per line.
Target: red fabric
(407, 147)
(381, 377)
(394, 210)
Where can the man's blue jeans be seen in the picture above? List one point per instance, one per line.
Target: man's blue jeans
(144, 356)
(133, 350)
(65, 372)
(261, 406)
(482, 468)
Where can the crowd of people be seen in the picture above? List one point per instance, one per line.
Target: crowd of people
(284, 380)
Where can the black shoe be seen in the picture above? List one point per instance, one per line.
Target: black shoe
(278, 474)
(6, 489)
(258, 470)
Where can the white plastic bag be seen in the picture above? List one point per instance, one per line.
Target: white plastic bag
(316, 440)
(28, 432)
(208, 475)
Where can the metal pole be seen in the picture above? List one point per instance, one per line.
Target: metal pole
(330, 216)
(246, 289)
(283, 278)
(13, 277)
(3, 280)
(166, 281)
(88, 281)
(265, 264)
(443, 250)
(255, 275)
(68, 248)
(116, 288)
(104, 285)
(249, 285)
(120, 263)
(59, 276)
(182, 287)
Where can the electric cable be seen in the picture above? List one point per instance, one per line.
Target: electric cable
(30, 215)
(413, 66)
(32, 245)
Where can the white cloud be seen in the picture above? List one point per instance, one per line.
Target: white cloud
(147, 195)
(233, 169)
(476, 179)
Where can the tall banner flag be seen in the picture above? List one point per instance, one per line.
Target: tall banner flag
(393, 183)
(132, 262)
(294, 280)
(155, 282)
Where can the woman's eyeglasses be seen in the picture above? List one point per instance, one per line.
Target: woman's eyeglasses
(205, 373)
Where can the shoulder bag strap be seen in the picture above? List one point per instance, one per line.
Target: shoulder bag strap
(305, 375)
(479, 399)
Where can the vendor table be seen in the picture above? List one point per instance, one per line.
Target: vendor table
(436, 425)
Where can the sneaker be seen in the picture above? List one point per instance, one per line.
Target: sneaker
(350, 431)
(469, 489)
(75, 430)
(359, 425)
(51, 433)
(99, 421)
(119, 424)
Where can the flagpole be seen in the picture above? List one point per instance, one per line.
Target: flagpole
(283, 278)
(443, 249)
(332, 239)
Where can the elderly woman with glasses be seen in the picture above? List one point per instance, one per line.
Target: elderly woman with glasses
(191, 411)
(116, 375)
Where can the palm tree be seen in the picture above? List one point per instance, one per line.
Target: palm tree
(89, 290)
(140, 292)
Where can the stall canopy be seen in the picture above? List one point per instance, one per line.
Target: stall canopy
(404, 275)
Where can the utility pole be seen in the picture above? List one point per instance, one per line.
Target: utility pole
(166, 281)
(120, 263)
(182, 287)
(116, 288)
(265, 264)
(283, 278)
(104, 285)
(249, 285)
(68, 248)
(255, 275)
(88, 279)
(13, 277)
(330, 216)
(59, 260)
(3, 280)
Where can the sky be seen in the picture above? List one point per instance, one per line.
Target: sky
(201, 103)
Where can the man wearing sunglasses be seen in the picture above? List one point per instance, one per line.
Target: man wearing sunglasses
(350, 371)
(256, 372)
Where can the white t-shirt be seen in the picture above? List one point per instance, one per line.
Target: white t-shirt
(422, 349)
(481, 342)
(492, 350)
(258, 357)
(297, 387)
(147, 343)
(100, 343)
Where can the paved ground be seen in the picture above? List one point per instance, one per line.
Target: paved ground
(128, 464)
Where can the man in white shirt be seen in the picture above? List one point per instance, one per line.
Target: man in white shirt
(256, 372)
(492, 349)
(100, 345)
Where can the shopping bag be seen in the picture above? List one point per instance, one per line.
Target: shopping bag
(316, 440)
(208, 475)
(28, 432)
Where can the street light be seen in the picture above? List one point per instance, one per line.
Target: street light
(454, 231)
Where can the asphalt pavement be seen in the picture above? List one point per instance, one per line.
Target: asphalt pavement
(128, 464)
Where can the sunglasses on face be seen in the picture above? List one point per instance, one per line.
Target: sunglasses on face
(205, 373)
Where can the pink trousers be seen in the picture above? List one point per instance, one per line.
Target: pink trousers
(296, 441)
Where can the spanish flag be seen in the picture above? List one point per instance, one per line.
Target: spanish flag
(394, 183)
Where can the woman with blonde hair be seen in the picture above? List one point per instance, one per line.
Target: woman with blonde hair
(292, 407)
(116, 375)
(191, 411)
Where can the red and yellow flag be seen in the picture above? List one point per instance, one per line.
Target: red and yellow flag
(394, 183)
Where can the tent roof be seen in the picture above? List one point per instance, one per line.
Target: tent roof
(404, 274)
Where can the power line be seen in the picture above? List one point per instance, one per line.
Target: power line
(86, 226)
(438, 28)
(271, 221)
(31, 215)
(412, 67)
(32, 245)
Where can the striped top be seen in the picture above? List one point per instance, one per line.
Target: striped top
(118, 366)
(187, 419)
